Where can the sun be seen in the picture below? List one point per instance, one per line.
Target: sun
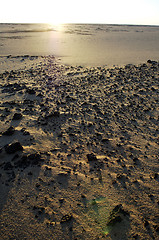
(57, 26)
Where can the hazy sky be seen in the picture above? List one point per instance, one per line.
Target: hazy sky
(80, 11)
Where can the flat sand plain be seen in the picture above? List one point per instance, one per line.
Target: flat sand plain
(79, 151)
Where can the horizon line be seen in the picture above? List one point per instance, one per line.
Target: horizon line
(82, 23)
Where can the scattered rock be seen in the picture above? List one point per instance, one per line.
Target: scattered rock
(14, 147)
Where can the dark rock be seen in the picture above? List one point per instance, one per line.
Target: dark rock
(136, 236)
(9, 131)
(91, 157)
(17, 116)
(146, 223)
(83, 196)
(53, 114)
(135, 160)
(40, 95)
(55, 150)
(105, 140)
(30, 91)
(66, 218)
(151, 62)
(25, 133)
(37, 185)
(156, 176)
(61, 200)
(156, 227)
(14, 147)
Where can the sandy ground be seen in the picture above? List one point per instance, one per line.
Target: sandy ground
(79, 152)
(82, 44)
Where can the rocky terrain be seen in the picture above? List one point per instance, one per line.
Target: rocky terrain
(79, 152)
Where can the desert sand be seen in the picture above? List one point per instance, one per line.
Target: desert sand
(82, 44)
(79, 151)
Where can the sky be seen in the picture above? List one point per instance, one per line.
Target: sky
(141, 12)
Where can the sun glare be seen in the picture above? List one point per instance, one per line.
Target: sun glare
(57, 26)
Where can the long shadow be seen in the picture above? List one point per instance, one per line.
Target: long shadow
(67, 229)
(14, 168)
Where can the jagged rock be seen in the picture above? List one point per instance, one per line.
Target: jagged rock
(14, 147)
(9, 131)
